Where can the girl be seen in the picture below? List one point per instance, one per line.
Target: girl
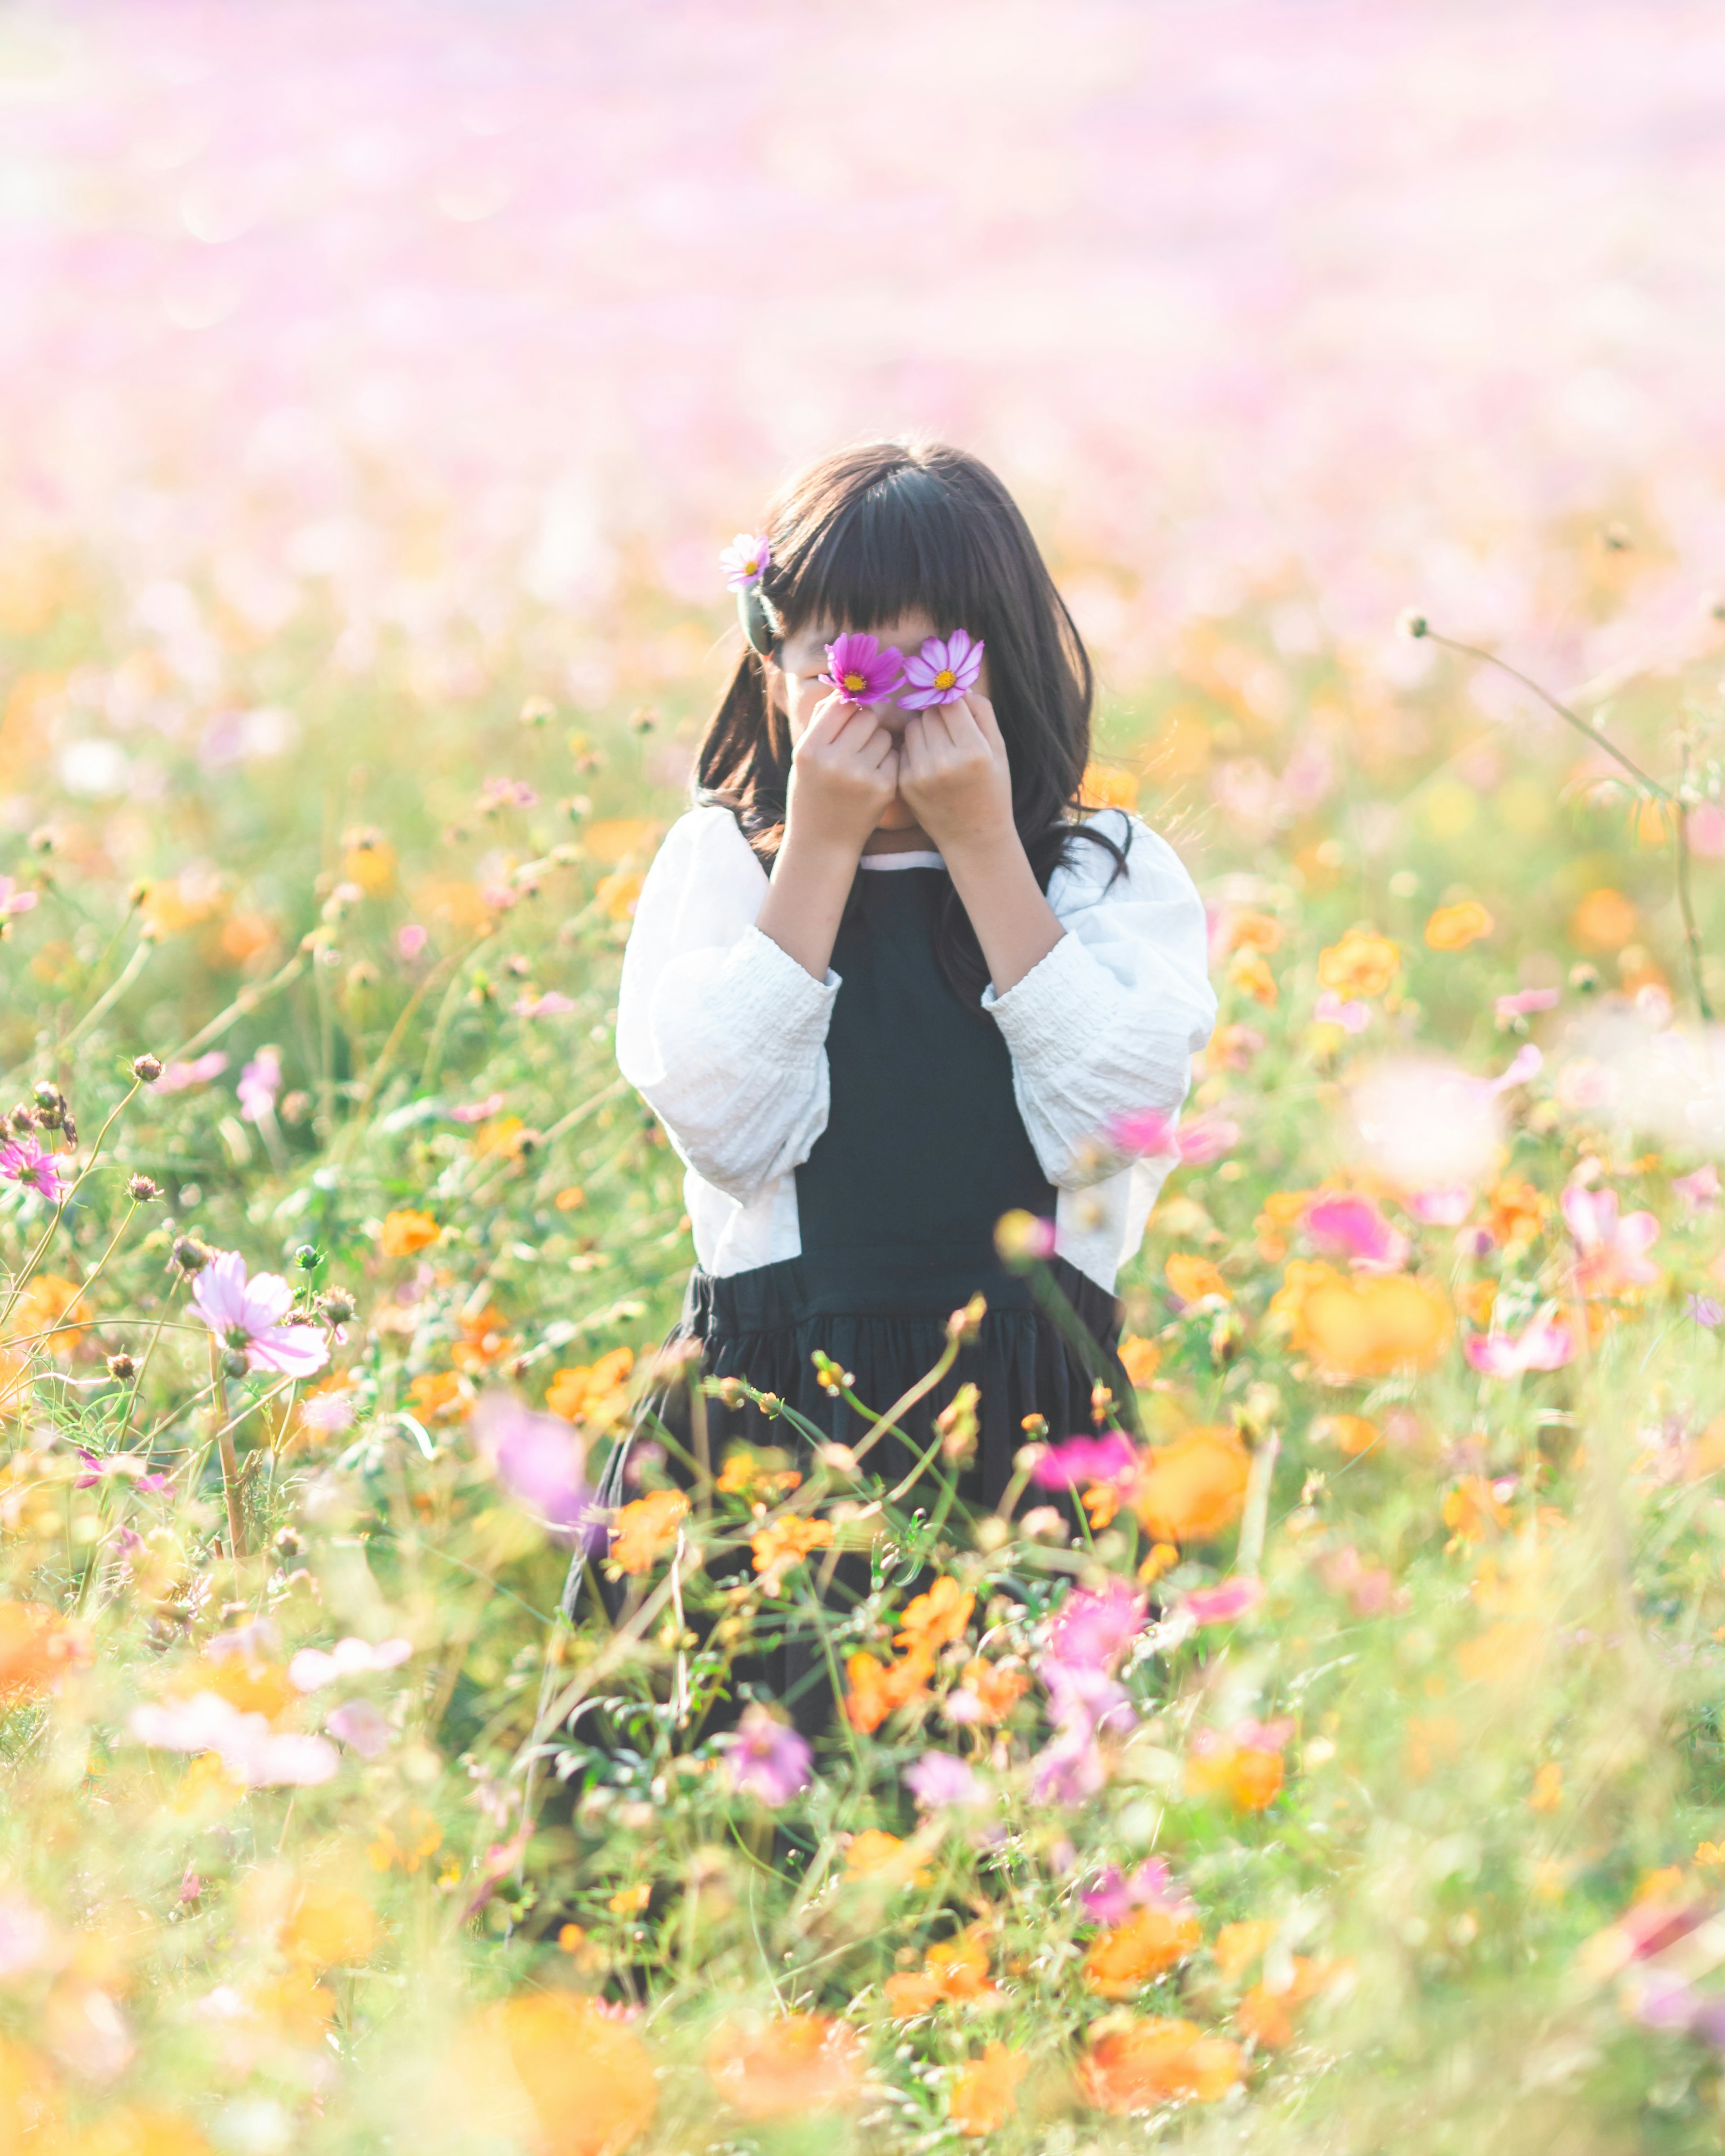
(888, 981)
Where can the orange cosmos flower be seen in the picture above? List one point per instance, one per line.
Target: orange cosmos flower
(1363, 964)
(326, 1924)
(1193, 1278)
(646, 1529)
(1518, 1209)
(997, 1690)
(594, 1391)
(618, 894)
(880, 1856)
(1453, 927)
(1136, 2068)
(1243, 1764)
(1108, 787)
(1248, 972)
(874, 1690)
(1194, 1488)
(936, 1617)
(37, 1648)
(984, 2092)
(1121, 1961)
(1140, 1358)
(1267, 2016)
(1353, 1434)
(803, 2063)
(955, 1969)
(1604, 921)
(1246, 930)
(49, 1304)
(1472, 1510)
(404, 1232)
(437, 1394)
(1369, 1326)
(555, 2071)
(1238, 1946)
(787, 1543)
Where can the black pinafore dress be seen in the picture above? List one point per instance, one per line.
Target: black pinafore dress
(924, 1149)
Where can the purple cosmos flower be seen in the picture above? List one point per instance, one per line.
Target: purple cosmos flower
(945, 670)
(541, 1462)
(259, 1082)
(24, 1161)
(1545, 1344)
(1085, 1460)
(478, 1111)
(861, 671)
(746, 561)
(1706, 1311)
(251, 1314)
(766, 1758)
(938, 1779)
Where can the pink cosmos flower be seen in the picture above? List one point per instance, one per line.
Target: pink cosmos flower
(945, 670)
(861, 671)
(1705, 1311)
(938, 1779)
(1545, 1344)
(27, 1937)
(551, 1004)
(1525, 1000)
(259, 1082)
(1349, 1223)
(410, 940)
(766, 1758)
(1146, 1131)
(1442, 1209)
(358, 1723)
(541, 1462)
(1370, 1589)
(250, 1752)
(1247, 1736)
(1353, 1016)
(313, 1667)
(1083, 1460)
(479, 1111)
(1094, 1625)
(746, 561)
(26, 1163)
(1111, 1899)
(326, 1412)
(200, 1072)
(1221, 1605)
(250, 1315)
(1611, 1253)
(12, 901)
(1699, 1192)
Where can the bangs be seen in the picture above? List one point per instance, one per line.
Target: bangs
(899, 545)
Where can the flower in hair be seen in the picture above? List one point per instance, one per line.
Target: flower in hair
(861, 671)
(945, 670)
(744, 561)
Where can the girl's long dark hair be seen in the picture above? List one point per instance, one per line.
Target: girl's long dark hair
(865, 537)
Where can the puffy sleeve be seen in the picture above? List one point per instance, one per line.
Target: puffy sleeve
(1108, 1024)
(721, 1031)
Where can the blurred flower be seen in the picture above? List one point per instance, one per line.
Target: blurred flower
(541, 1462)
(12, 901)
(406, 1231)
(1221, 1605)
(618, 894)
(259, 1082)
(248, 1315)
(1363, 964)
(1193, 1278)
(1611, 1253)
(783, 1544)
(861, 671)
(1353, 1016)
(1699, 1191)
(787, 2068)
(478, 1111)
(28, 1163)
(874, 1690)
(932, 1620)
(1347, 1222)
(178, 1076)
(938, 1779)
(1136, 2066)
(1370, 1589)
(250, 1752)
(643, 1531)
(1139, 1358)
(410, 940)
(1543, 1344)
(1441, 1209)
(1020, 1236)
(314, 1667)
(1122, 1961)
(595, 1393)
(1425, 1124)
(1193, 1487)
(983, 2093)
(1242, 1764)
(746, 561)
(27, 1935)
(766, 1758)
(1094, 1626)
(1111, 1899)
(1705, 1310)
(1525, 1001)
(1083, 1460)
(1453, 927)
(550, 1005)
(874, 1855)
(1354, 1434)
(1365, 1327)
(555, 2071)
(944, 670)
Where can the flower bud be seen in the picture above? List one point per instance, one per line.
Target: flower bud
(147, 1069)
(191, 1255)
(306, 1257)
(123, 1368)
(234, 1363)
(1413, 623)
(50, 1105)
(288, 1543)
(143, 1189)
(337, 1307)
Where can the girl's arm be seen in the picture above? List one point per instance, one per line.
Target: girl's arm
(1108, 1023)
(721, 1032)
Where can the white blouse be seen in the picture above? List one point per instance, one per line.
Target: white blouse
(724, 1035)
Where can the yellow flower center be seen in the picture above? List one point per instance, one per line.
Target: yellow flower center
(854, 681)
(751, 568)
(945, 678)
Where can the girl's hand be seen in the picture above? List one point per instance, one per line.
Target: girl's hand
(844, 775)
(952, 770)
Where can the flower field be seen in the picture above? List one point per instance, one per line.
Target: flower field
(1334, 1764)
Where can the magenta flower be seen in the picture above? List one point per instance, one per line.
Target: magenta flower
(1221, 1605)
(1083, 1460)
(259, 1082)
(1706, 1310)
(1152, 1131)
(945, 670)
(938, 1779)
(12, 901)
(1352, 1224)
(250, 1315)
(411, 939)
(1545, 1344)
(541, 1462)
(1095, 1625)
(746, 561)
(766, 1758)
(861, 671)
(26, 1163)
(1111, 1899)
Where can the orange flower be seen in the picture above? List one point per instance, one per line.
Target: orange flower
(1472, 1510)
(326, 1924)
(1281, 1213)
(1248, 972)
(1192, 1489)
(1267, 2017)
(247, 1682)
(1604, 921)
(503, 1135)
(1108, 787)
(1250, 1776)
(874, 1690)
(1453, 927)
(1140, 2067)
(36, 1649)
(1121, 1961)
(1238, 1946)
(1374, 1325)
(594, 1391)
(984, 2093)
(1363, 964)
(804, 2062)
(1353, 1434)
(1518, 1210)
(48, 1305)
(485, 1339)
(1504, 1652)
(956, 1969)
(618, 894)
(875, 1855)
(1193, 1278)
(787, 1543)
(1139, 1359)
(439, 1392)
(933, 1619)
(555, 2073)
(1547, 1795)
(135, 2130)
(997, 1690)
(370, 862)
(404, 1232)
(646, 1529)
(1246, 930)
